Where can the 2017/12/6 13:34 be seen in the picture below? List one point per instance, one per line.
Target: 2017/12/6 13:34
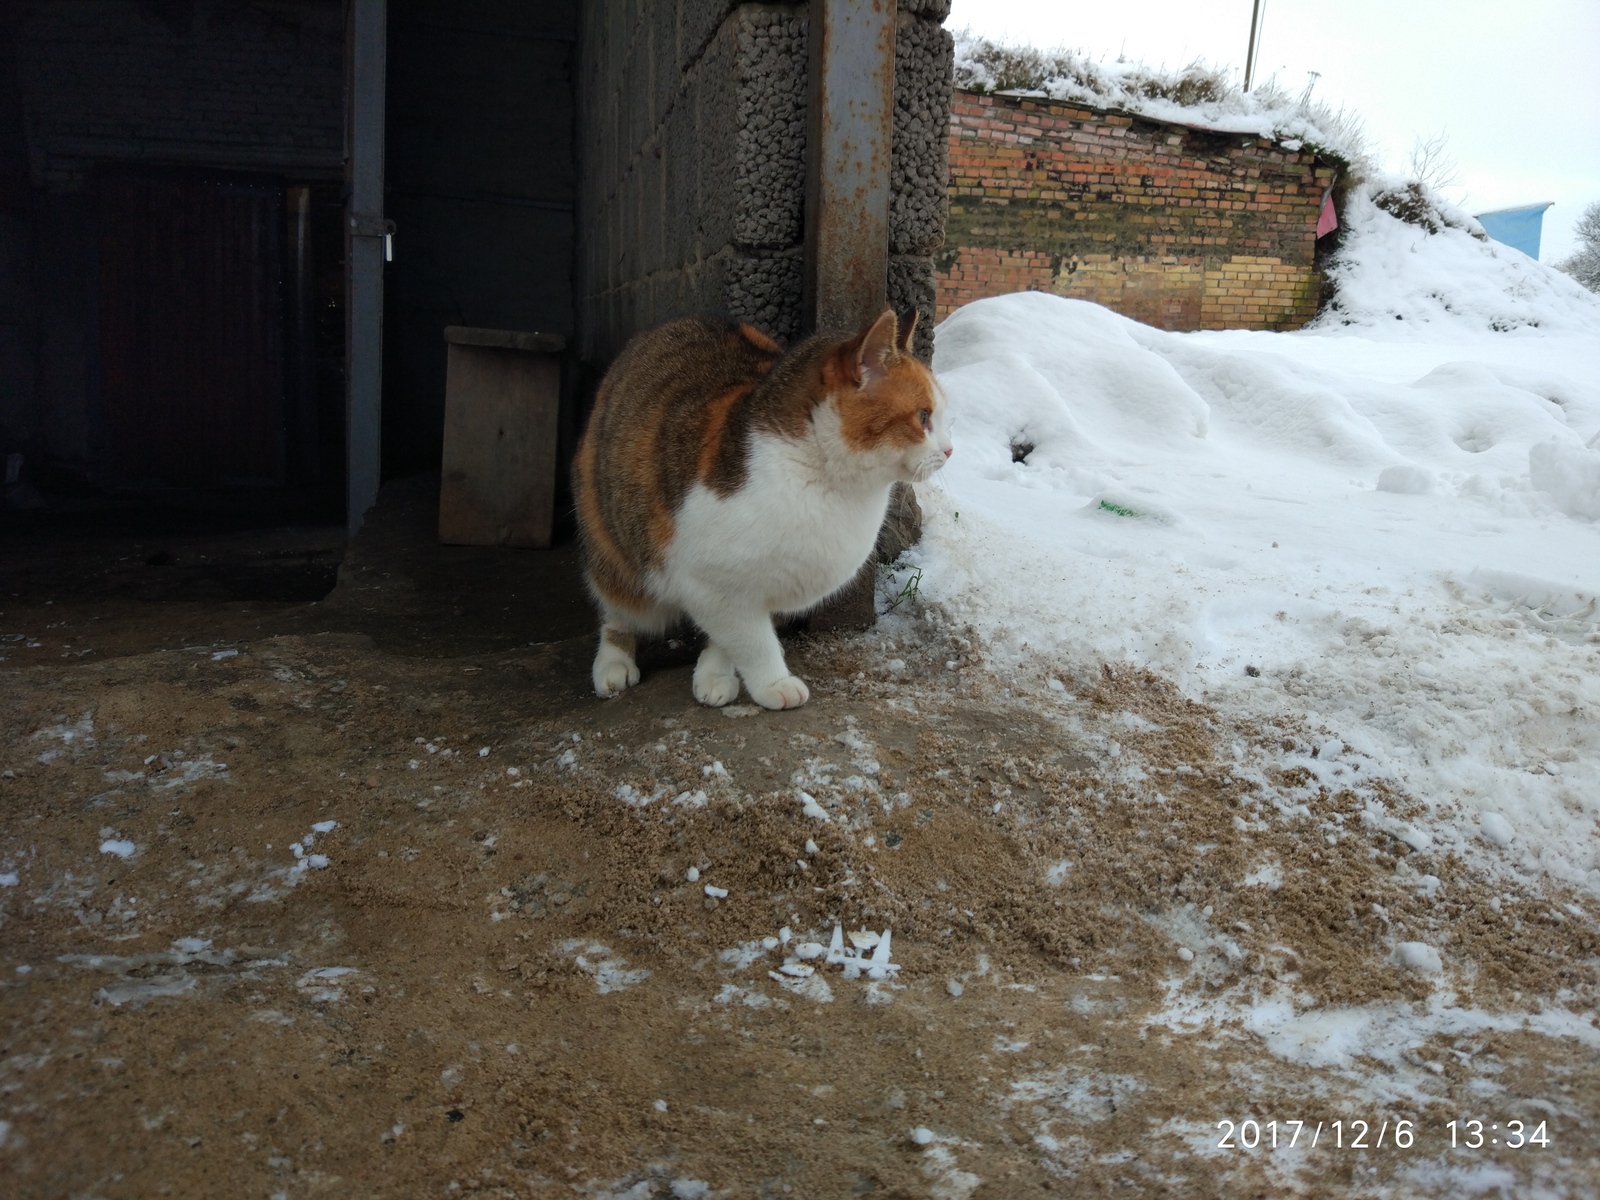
(1358, 1135)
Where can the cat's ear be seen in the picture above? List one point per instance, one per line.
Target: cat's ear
(908, 326)
(876, 349)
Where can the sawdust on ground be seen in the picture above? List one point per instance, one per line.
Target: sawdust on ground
(503, 980)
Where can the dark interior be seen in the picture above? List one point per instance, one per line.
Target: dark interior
(172, 262)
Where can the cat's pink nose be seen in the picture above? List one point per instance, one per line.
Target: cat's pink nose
(948, 452)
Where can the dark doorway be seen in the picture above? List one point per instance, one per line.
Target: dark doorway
(192, 314)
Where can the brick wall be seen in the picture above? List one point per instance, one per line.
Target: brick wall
(1174, 226)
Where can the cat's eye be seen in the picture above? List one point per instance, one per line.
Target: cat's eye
(925, 417)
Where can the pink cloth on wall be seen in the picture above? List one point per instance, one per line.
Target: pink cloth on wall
(1327, 219)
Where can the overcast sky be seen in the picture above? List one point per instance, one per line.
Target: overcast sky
(1514, 83)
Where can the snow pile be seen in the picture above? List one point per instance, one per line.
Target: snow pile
(1389, 541)
(1392, 274)
(1569, 474)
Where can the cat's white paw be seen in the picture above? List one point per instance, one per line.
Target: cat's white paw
(715, 687)
(614, 674)
(788, 692)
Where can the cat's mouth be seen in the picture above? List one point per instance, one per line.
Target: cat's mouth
(926, 468)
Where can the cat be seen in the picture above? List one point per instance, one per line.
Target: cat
(726, 480)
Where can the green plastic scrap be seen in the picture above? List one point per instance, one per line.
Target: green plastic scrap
(1120, 510)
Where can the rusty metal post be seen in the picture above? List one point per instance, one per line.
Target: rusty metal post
(850, 127)
(845, 281)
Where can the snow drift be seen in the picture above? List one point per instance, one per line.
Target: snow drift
(1399, 536)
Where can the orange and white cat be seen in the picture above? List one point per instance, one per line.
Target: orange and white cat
(724, 479)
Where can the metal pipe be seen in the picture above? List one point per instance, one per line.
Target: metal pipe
(1256, 12)
(845, 280)
(304, 461)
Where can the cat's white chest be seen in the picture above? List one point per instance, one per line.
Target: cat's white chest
(783, 542)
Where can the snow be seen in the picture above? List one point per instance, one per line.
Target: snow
(1383, 529)
(1340, 1038)
(1419, 957)
(120, 847)
(610, 970)
(1391, 276)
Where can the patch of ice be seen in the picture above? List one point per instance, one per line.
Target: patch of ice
(734, 994)
(811, 987)
(1092, 1096)
(8, 879)
(120, 847)
(634, 798)
(1496, 829)
(1419, 957)
(1268, 875)
(809, 806)
(138, 992)
(320, 984)
(80, 731)
(741, 956)
(1057, 872)
(610, 970)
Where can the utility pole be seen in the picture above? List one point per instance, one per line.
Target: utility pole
(1255, 43)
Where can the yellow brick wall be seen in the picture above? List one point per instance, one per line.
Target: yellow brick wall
(1258, 293)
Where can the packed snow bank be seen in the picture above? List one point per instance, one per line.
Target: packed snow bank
(1391, 276)
(1394, 537)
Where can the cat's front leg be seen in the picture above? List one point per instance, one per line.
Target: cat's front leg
(716, 680)
(614, 667)
(749, 642)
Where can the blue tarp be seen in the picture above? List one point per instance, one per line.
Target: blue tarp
(1518, 227)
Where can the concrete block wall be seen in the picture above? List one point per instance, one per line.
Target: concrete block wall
(920, 201)
(692, 131)
(1174, 226)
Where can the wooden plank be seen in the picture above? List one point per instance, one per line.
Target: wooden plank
(499, 471)
(505, 339)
